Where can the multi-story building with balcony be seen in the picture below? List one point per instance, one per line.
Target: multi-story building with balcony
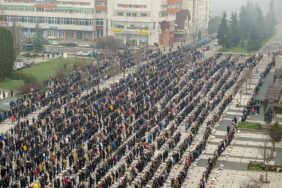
(135, 22)
(191, 18)
(68, 19)
(157, 21)
(141, 21)
(100, 16)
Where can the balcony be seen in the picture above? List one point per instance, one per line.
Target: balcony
(101, 8)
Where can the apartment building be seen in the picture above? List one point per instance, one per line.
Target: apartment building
(201, 16)
(100, 16)
(138, 22)
(141, 22)
(158, 21)
(184, 15)
(191, 19)
(67, 19)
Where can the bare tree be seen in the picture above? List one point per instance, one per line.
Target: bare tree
(267, 155)
(108, 43)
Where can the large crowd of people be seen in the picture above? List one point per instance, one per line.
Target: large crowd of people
(120, 135)
(24, 138)
(253, 106)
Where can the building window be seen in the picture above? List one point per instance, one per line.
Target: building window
(97, 3)
(99, 21)
(119, 26)
(163, 14)
(144, 15)
(120, 13)
(79, 34)
(99, 33)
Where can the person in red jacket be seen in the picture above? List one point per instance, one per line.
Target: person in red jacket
(13, 118)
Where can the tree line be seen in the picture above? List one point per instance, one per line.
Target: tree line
(250, 29)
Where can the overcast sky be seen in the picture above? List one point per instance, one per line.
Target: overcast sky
(219, 6)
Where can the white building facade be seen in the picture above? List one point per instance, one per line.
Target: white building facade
(136, 22)
(68, 19)
(192, 19)
(141, 22)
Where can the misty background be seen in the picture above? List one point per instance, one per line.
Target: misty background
(219, 6)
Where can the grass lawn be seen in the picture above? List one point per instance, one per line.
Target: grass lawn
(249, 125)
(258, 166)
(11, 84)
(257, 126)
(44, 70)
(255, 167)
(241, 48)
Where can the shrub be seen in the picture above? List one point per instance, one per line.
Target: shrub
(29, 87)
(21, 76)
(63, 71)
(31, 55)
(258, 166)
(79, 65)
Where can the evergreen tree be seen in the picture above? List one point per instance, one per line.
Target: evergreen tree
(243, 22)
(234, 30)
(260, 26)
(214, 25)
(253, 43)
(271, 21)
(17, 37)
(223, 35)
(7, 53)
(38, 41)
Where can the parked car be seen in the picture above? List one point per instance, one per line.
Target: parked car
(206, 48)
(51, 51)
(84, 45)
(54, 42)
(22, 63)
(83, 53)
(69, 44)
(93, 53)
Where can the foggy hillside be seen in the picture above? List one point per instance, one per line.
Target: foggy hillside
(219, 6)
